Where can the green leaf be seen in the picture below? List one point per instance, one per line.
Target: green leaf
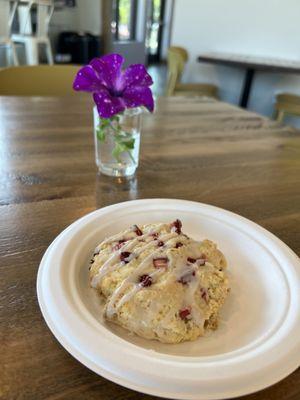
(104, 122)
(118, 137)
(100, 134)
(115, 118)
(124, 142)
(129, 143)
(121, 147)
(118, 149)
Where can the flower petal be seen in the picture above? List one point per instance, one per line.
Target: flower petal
(137, 75)
(86, 80)
(108, 69)
(136, 96)
(108, 105)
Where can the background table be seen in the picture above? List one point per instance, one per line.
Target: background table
(192, 149)
(251, 64)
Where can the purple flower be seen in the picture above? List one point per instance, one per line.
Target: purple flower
(115, 90)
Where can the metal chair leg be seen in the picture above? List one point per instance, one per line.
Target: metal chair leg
(32, 51)
(14, 54)
(49, 52)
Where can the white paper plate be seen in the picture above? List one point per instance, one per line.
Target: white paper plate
(256, 345)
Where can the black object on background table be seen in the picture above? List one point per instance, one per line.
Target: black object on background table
(81, 47)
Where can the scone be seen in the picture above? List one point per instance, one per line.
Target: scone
(159, 283)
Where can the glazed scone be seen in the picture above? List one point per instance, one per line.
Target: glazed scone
(159, 283)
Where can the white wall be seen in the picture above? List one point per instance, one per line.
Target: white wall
(86, 16)
(268, 28)
(89, 16)
(64, 20)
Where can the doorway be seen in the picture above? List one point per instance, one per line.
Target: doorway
(124, 20)
(137, 29)
(155, 26)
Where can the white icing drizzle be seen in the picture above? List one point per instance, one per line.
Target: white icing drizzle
(110, 240)
(208, 264)
(110, 310)
(120, 236)
(132, 278)
(113, 307)
(182, 270)
(110, 264)
(126, 297)
(132, 285)
(189, 301)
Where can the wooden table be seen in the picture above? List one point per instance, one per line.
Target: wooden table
(251, 64)
(192, 149)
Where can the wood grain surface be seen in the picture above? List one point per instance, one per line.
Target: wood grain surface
(193, 149)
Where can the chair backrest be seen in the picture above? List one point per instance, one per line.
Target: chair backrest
(177, 58)
(24, 15)
(44, 9)
(7, 13)
(287, 104)
(38, 80)
(44, 13)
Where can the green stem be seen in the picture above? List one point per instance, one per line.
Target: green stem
(123, 140)
(131, 156)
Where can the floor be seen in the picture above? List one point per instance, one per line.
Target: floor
(159, 76)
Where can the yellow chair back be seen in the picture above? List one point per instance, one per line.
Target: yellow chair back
(287, 104)
(177, 58)
(38, 80)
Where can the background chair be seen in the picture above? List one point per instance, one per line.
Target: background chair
(177, 58)
(286, 104)
(40, 80)
(25, 36)
(7, 13)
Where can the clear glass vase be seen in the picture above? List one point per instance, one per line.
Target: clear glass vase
(117, 142)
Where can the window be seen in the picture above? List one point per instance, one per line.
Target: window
(124, 19)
